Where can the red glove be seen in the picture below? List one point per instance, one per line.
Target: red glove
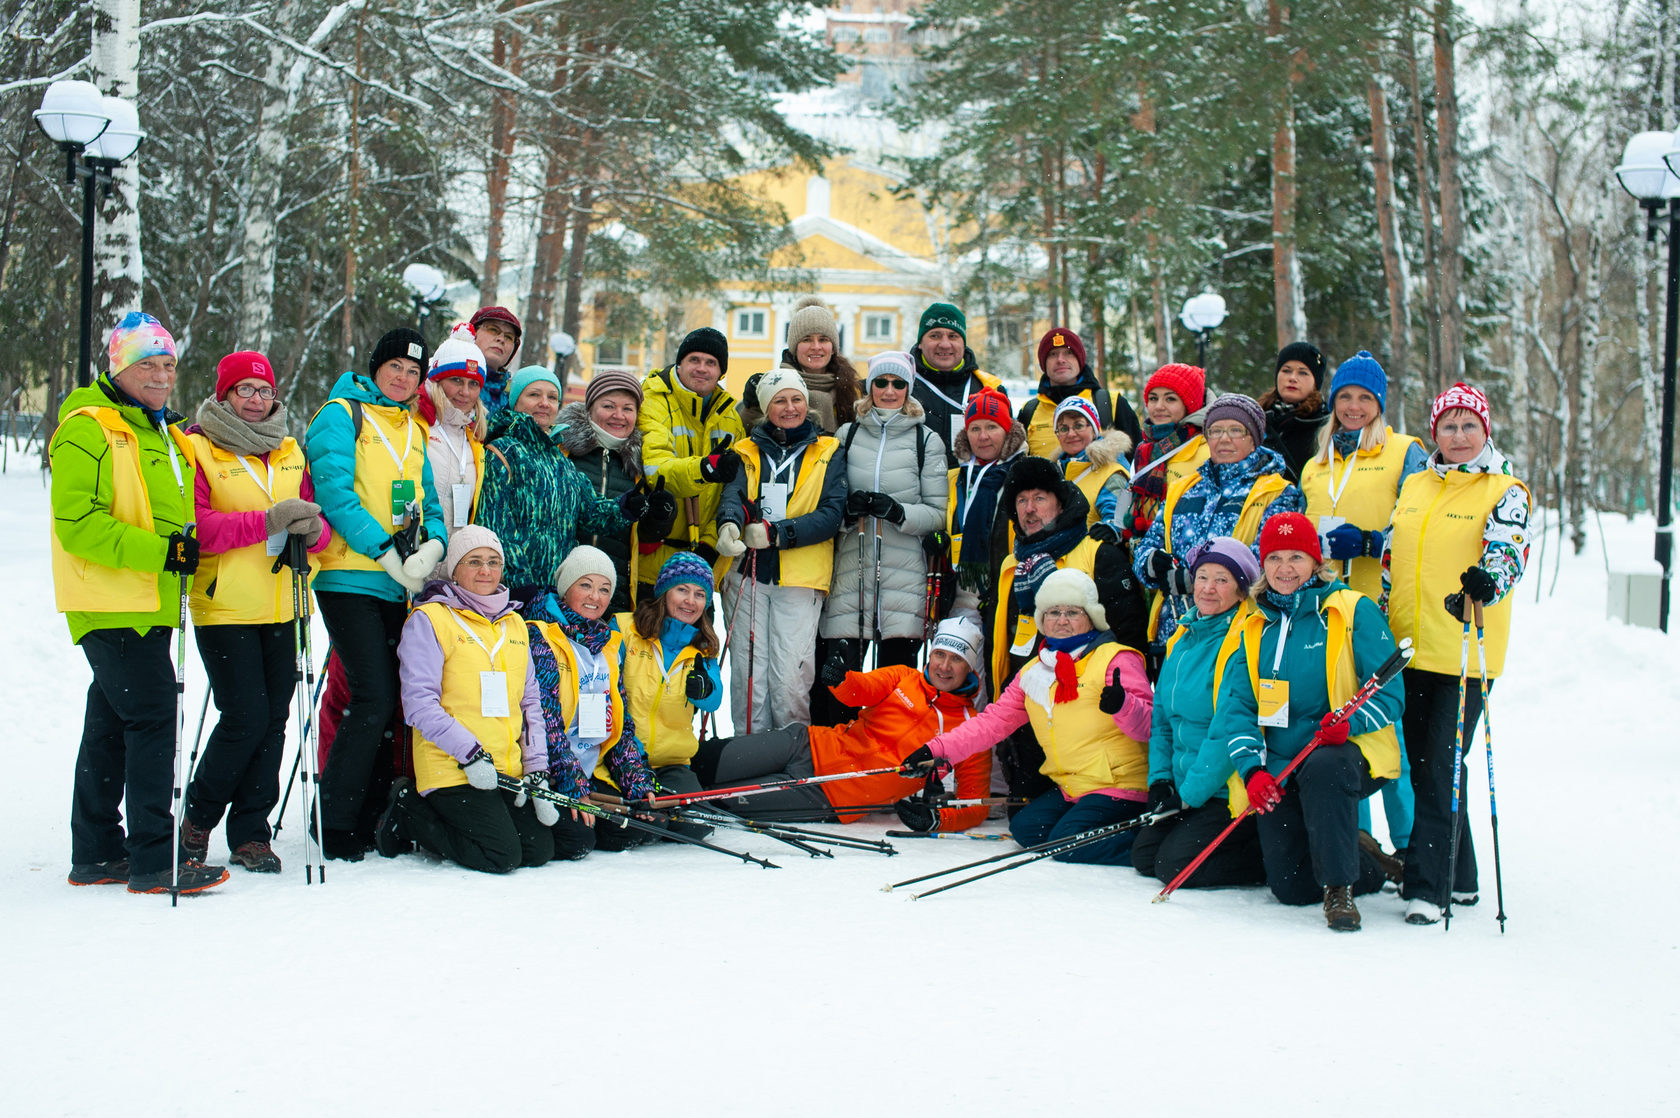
(1331, 732)
(1264, 792)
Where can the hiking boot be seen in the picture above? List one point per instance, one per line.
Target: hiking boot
(388, 837)
(1466, 899)
(1419, 911)
(195, 878)
(195, 841)
(1339, 910)
(258, 857)
(1393, 868)
(114, 872)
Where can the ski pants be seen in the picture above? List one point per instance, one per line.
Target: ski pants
(681, 778)
(253, 677)
(783, 754)
(364, 632)
(772, 650)
(127, 751)
(1053, 816)
(1310, 841)
(1431, 722)
(1399, 806)
(1163, 849)
(478, 828)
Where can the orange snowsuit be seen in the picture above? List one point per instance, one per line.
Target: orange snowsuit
(901, 711)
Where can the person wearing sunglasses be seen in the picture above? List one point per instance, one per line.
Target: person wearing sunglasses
(896, 492)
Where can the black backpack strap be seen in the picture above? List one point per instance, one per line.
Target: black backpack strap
(1105, 408)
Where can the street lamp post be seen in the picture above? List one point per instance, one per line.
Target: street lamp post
(426, 285)
(103, 131)
(563, 345)
(1202, 315)
(1648, 172)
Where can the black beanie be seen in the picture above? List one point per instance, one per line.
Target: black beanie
(404, 341)
(1033, 472)
(1307, 354)
(706, 340)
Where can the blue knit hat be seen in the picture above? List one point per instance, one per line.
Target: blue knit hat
(525, 378)
(1361, 371)
(684, 566)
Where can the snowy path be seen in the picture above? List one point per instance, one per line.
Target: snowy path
(677, 980)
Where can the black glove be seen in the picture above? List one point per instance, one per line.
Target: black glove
(662, 508)
(634, 504)
(857, 503)
(936, 544)
(181, 558)
(1160, 563)
(721, 465)
(1179, 581)
(1113, 696)
(699, 686)
(917, 815)
(921, 762)
(883, 506)
(1163, 797)
(1104, 532)
(1479, 585)
(1455, 605)
(834, 666)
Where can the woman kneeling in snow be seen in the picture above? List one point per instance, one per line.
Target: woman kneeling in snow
(470, 693)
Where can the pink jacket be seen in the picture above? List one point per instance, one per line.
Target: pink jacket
(220, 532)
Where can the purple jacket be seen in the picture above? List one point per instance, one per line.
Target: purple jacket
(420, 672)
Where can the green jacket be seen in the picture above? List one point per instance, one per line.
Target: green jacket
(82, 495)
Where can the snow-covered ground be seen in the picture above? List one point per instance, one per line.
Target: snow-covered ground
(678, 981)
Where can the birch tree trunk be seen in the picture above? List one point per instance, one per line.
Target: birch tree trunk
(268, 164)
(1650, 391)
(1451, 300)
(119, 272)
(1289, 301)
(1394, 259)
(352, 185)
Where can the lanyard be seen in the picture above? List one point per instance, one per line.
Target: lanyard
(501, 637)
(1335, 490)
(378, 429)
(1157, 462)
(968, 387)
(463, 457)
(268, 490)
(778, 472)
(1277, 654)
(970, 487)
(174, 464)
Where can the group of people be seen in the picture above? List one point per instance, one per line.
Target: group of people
(1143, 621)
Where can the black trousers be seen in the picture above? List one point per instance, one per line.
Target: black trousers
(253, 677)
(1163, 849)
(783, 754)
(679, 779)
(364, 632)
(478, 828)
(1431, 722)
(1311, 840)
(127, 754)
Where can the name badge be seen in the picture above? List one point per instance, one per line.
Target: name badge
(402, 492)
(1026, 635)
(956, 428)
(460, 496)
(276, 543)
(592, 716)
(1273, 700)
(493, 694)
(773, 500)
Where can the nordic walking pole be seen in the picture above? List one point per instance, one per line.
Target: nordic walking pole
(1389, 669)
(198, 735)
(177, 807)
(1457, 763)
(751, 575)
(624, 816)
(1028, 853)
(1487, 744)
(308, 725)
(303, 732)
(741, 791)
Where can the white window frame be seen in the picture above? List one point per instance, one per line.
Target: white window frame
(743, 323)
(888, 323)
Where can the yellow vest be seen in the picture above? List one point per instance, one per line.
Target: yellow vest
(1236, 791)
(1366, 500)
(658, 699)
(565, 661)
(1084, 751)
(82, 585)
(463, 660)
(1380, 747)
(1090, 481)
(375, 471)
(1082, 556)
(812, 565)
(240, 587)
(1438, 527)
(1266, 489)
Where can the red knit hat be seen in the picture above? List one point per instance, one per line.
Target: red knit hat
(247, 364)
(1461, 395)
(497, 314)
(988, 403)
(1290, 531)
(1187, 382)
(1056, 338)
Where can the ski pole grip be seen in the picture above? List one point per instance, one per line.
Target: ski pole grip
(1476, 608)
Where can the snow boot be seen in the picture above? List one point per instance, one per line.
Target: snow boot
(1465, 899)
(1420, 911)
(114, 872)
(1339, 910)
(1393, 868)
(389, 838)
(195, 878)
(258, 857)
(195, 841)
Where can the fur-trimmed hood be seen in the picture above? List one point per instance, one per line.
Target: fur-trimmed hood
(1111, 448)
(579, 439)
(1013, 440)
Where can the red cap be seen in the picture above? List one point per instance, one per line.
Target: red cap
(1059, 337)
(499, 314)
(1461, 395)
(244, 365)
(1187, 382)
(989, 403)
(1290, 531)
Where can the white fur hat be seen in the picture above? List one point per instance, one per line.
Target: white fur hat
(584, 560)
(469, 539)
(962, 636)
(1069, 586)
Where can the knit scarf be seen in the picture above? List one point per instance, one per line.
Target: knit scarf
(607, 439)
(1162, 439)
(223, 427)
(592, 633)
(1061, 654)
(1035, 559)
(974, 567)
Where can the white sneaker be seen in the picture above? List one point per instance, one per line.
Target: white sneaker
(1420, 911)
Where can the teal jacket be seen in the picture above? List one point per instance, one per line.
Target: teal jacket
(1180, 749)
(1236, 722)
(82, 494)
(330, 446)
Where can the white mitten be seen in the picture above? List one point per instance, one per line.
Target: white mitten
(757, 535)
(394, 567)
(423, 562)
(729, 540)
